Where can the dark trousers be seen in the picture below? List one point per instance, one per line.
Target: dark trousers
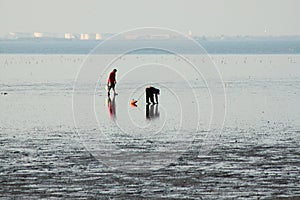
(149, 95)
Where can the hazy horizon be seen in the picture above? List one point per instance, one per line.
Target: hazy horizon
(216, 17)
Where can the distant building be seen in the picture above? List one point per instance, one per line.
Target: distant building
(160, 36)
(69, 36)
(18, 35)
(98, 36)
(37, 34)
(84, 36)
(131, 37)
(12, 35)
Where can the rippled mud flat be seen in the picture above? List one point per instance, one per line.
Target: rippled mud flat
(52, 163)
(255, 157)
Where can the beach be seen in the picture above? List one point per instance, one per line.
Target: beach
(48, 151)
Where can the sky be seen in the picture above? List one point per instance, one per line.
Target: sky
(209, 17)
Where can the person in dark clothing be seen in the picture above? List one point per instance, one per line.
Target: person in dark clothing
(111, 82)
(152, 92)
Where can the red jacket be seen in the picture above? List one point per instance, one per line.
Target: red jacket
(112, 77)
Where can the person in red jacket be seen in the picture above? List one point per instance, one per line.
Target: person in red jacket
(111, 82)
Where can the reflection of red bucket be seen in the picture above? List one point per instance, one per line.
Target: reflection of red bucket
(133, 103)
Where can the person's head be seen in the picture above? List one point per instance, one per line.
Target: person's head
(115, 70)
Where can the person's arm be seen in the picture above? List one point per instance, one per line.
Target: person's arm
(156, 98)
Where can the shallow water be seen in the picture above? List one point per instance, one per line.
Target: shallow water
(44, 155)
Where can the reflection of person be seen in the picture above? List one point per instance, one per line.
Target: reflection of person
(150, 93)
(111, 105)
(111, 82)
(152, 111)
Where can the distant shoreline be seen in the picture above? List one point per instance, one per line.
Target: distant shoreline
(226, 46)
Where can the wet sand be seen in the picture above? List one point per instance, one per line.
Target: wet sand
(44, 155)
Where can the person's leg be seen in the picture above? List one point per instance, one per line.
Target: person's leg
(147, 95)
(156, 98)
(108, 89)
(113, 87)
(152, 98)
